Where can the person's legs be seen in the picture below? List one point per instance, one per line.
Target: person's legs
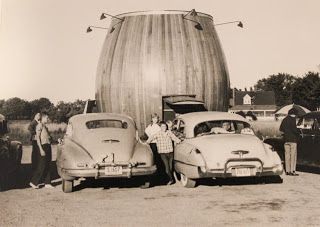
(170, 162)
(38, 173)
(47, 173)
(165, 161)
(293, 156)
(157, 160)
(154, 149)
(35, 155)
(287, 154)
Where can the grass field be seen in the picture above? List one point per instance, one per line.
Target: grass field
(19, 130)
(267, 128)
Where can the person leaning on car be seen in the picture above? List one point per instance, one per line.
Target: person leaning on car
(164, 140)
(291, 135)
(152, 129)
(35, 150)
(42, 173)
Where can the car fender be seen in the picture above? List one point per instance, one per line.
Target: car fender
(71, 153)
(188, 154)
(16, 151)
(143, 154)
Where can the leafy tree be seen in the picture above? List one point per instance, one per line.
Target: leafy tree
(16, 108)
(42, 104)
(281, 84)
(2, 102)
(306, 91)
(65, 110)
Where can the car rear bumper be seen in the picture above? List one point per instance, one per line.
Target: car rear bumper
(127, 172)
(223, 174)
(196, 172)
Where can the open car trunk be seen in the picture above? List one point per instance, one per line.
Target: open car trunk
(180, 104)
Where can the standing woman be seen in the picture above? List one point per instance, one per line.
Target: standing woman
(35, 149)
(152, 129)
(42, 172)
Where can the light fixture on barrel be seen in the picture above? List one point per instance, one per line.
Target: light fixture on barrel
(104, 15)
(89, 29)
(193, 13)
(240, 24)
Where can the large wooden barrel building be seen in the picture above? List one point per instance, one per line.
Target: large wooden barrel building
(150, 55)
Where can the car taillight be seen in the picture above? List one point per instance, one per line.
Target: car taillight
(196, 151)
(82, 165)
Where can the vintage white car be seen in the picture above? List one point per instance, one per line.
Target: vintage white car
(220, 145)
(99, 145)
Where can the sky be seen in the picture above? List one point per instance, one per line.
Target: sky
(45, 51)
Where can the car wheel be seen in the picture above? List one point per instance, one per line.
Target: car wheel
(273, 180)
(67, 186)
(187, 182)
(146, 182)
(145, 185)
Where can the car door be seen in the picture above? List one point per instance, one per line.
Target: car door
(306, 145)
(178, 126)
(316, 142)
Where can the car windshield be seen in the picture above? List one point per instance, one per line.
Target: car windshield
(222, 127)
(106, 123)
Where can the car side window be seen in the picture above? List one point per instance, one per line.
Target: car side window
(180, 132)
(175, 124)
(181, 127)
(306, 123)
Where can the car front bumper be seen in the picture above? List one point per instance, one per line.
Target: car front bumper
(127, 172)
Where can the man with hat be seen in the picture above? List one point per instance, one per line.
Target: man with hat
(291, 136)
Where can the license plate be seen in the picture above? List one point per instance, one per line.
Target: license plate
(113, 170)
(243, 172)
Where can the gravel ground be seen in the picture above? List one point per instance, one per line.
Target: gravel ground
(295, 202)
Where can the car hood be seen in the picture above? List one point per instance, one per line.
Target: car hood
(115, 145)
(217, 149)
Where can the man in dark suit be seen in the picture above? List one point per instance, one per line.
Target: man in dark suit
(291, 136)
(35, 148)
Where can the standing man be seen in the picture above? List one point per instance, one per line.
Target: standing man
(35, 150)
(42, 172)
(291, 136)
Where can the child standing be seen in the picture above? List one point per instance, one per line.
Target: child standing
(164, 140)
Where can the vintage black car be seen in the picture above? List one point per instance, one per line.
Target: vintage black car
(309, 142)
(10, 157)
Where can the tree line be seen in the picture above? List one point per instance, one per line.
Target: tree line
(20, 109)
(301, 90)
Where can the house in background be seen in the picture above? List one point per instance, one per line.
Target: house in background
(261, 103)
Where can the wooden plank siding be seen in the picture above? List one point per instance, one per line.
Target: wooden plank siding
(151, 55)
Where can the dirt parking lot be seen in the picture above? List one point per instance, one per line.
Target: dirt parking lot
(295, 202)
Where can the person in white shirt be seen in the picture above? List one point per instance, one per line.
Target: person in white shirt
(152, 129)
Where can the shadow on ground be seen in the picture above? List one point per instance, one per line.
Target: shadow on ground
(108, 183)
(21, 178)
(308, 169)
(240, 181)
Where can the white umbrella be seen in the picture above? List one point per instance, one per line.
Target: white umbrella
(300, 110)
